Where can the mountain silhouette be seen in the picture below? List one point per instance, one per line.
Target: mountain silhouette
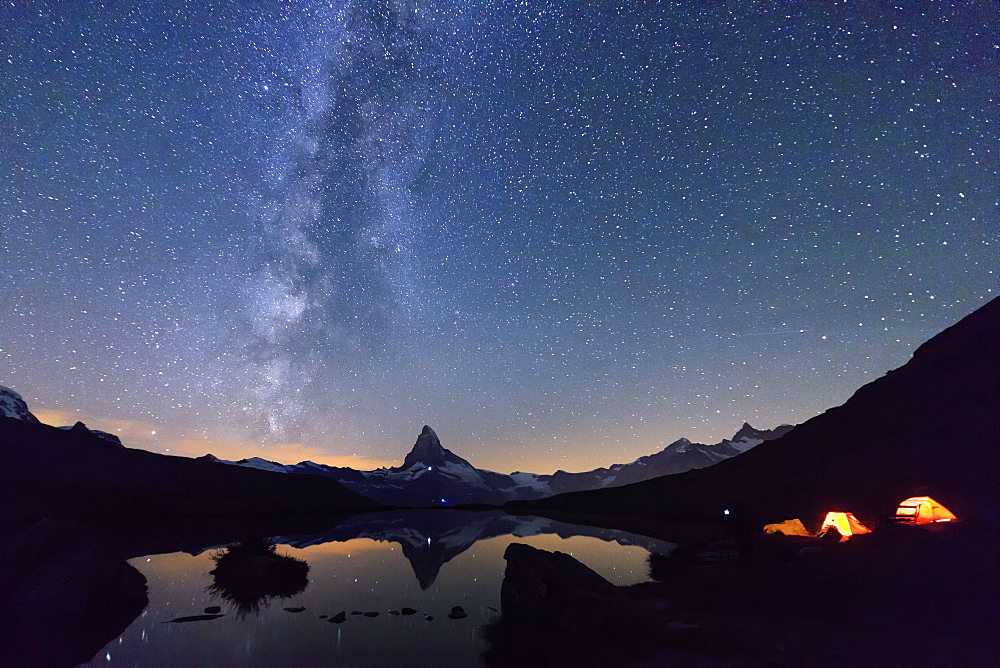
(931, 427)
(427, 451)
(76, 473)
(433, 476)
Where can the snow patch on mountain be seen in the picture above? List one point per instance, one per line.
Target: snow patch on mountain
(103, 435)
(530, 481)
(13, 406)
(264, 465)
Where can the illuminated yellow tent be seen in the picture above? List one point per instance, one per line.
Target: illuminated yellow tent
(923, 510)
(787, 528)
(845, 523)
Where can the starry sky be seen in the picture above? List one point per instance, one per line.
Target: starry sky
(564, 234)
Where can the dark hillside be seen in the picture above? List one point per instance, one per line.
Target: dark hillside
(931, 427)
(74, 474)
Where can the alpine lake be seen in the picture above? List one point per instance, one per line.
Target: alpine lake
(397, 588)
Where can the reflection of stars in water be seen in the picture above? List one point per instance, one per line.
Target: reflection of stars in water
(325, 226)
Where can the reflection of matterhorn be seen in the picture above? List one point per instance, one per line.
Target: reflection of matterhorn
(432, 475)
(429, 538)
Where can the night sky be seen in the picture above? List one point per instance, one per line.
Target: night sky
(563, 234)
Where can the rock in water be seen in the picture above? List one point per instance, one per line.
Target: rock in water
(552, 590)
(558, 611)
(192, 618)
(338, 618)
(549, 588)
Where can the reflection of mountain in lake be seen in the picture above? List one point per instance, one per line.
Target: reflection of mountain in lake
(250, 574)
(431, 538)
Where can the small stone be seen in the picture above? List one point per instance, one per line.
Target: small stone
(408, 611)
(213, 610)
(371, 614)
(298, 609)
(193, 618)
(428, 618)
(394, 612)
(357, 612)
(338, 618)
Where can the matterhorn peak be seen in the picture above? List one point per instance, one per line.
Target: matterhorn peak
(426, 451)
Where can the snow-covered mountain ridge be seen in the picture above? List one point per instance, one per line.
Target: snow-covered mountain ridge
(12, 405)
(432, 475)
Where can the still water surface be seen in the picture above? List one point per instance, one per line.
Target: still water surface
(403, 563)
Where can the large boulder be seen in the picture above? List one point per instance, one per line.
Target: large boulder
(551, 589)
(557, 611)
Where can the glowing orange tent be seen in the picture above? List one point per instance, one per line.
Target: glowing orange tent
(787, 528)
(845, 523)
(923, 510)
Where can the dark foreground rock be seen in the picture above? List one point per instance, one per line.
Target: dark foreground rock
(551, 589)
(901, 595)
(556, 611)
(63, 595)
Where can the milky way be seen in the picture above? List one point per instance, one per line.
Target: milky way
(563, 234)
